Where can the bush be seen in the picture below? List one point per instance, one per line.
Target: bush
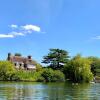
(24, 75)
(52, 75)
(58, 76)
(6, 70)
(78, 70)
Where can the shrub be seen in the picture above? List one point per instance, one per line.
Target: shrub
(6, 70)
(52, 75)
(78, 70)
(58, 76)
(24, 75)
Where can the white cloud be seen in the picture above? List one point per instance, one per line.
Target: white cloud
(96, 38)
(6, 36)
(14, 26)
(17, 33)
(30, 28)
(11, 35)
(21, 31)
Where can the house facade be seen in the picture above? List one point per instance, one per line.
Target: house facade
(22, 62)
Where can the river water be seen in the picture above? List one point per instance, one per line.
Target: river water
(48, 91)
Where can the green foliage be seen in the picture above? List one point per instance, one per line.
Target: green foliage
(38, 76)
(24, 75)
(58, 76)
(56, 58)
(45, 75)
(6, 70)
(52, 75)
(78, 69)
(95, 65)
(18, 54)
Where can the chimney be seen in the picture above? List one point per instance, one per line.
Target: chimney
(29, 57)
(9, 57)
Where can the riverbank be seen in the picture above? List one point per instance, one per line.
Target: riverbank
(9, 73)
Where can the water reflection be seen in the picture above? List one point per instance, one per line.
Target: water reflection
(49, 91)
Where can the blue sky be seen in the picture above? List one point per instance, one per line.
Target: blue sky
(34, 26)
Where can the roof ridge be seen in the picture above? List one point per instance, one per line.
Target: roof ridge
(19, 57)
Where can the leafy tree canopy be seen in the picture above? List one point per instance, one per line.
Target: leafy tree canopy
(78, 69)
(95, 65)
(56, 58)
(18, 54)
(6, 70)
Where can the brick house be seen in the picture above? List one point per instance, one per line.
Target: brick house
(22, 62)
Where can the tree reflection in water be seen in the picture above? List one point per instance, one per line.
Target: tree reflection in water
(48, 91)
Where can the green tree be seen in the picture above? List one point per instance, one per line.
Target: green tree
(95, 65)
(51, 75)
(7, 70)
(18, 54)
(78, 69)
(56, 58)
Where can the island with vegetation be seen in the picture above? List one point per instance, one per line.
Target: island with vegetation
(60, 68)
